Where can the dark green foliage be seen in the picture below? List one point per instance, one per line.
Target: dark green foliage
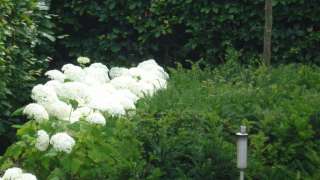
(204, 108)
(23, 28)
(176, 30)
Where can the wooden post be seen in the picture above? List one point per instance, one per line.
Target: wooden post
(267, 33)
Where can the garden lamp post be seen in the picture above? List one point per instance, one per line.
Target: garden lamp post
(242, 143)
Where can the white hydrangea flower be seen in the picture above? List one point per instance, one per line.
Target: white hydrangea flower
(127, 82)
(151, 66)
(96, 118)
(83, 60)
(84, 111)
(97, 73)
(74, 117)
(118, 71)
(43, 94)
(12, 173)
(75, 91)
(126, 102)
(136, 73)
(157, 83)
(55, 75)
(36, 111)
(73, 73)
(62, 142)
(79, 113)
(26, 176)
(42, 141)
(127, 93)
(59, 109)
(57, 86)
(147, 89)
(108, 105)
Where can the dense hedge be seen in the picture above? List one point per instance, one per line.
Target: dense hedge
(24, 27)
(175, 30)
(179, 127)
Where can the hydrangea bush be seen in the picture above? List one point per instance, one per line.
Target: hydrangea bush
(79, 120)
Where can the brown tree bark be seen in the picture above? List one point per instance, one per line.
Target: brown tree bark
(267, 32)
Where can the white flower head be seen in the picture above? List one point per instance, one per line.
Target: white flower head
(55, 75)
(76, 91)
(26, 176)
(127, 82)
(96, 74)
(62, 142)
(118, 71)
(43, 94)
(12, 173)
(128, 94)
(36, 111)
(73, 73)
(42, 141)
(108, 105)
(83, 60)
(59, 109)
(56, 86)
(125, 101)
(96, 118)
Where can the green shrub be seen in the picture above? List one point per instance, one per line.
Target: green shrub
(176, 30)
(101, 152)
(23, 29)
(188, 130)
(280, 106)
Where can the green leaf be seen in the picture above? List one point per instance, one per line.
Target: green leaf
(18, 112)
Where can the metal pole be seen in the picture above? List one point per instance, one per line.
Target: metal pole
(241, 175)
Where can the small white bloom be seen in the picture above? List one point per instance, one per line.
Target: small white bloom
(118, 71)
(75, 91)
(55, 75)
(128, 94)
(42, 141)
(12, 173)
(157, 83)
(127, 82)
(83, 60)
(73, 73)
(57, 86)
(126, 102)
(147, 89)
(59, 109)
(109, 105)
(43, 94)
(136, 73)
(96, 73)
(62, 142)
(26, 176)
(96, 118)
(36, 111)
(79, 113)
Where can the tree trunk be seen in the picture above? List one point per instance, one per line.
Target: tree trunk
(267, 32)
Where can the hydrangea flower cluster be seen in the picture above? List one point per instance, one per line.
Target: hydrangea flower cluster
(17, 174)
(90, 93)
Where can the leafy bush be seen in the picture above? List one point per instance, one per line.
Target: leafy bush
(176, 30)
(278, 105)
(187, 131)
(23, 28)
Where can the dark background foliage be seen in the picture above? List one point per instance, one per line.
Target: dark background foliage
(175, 30)
(25, 35)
